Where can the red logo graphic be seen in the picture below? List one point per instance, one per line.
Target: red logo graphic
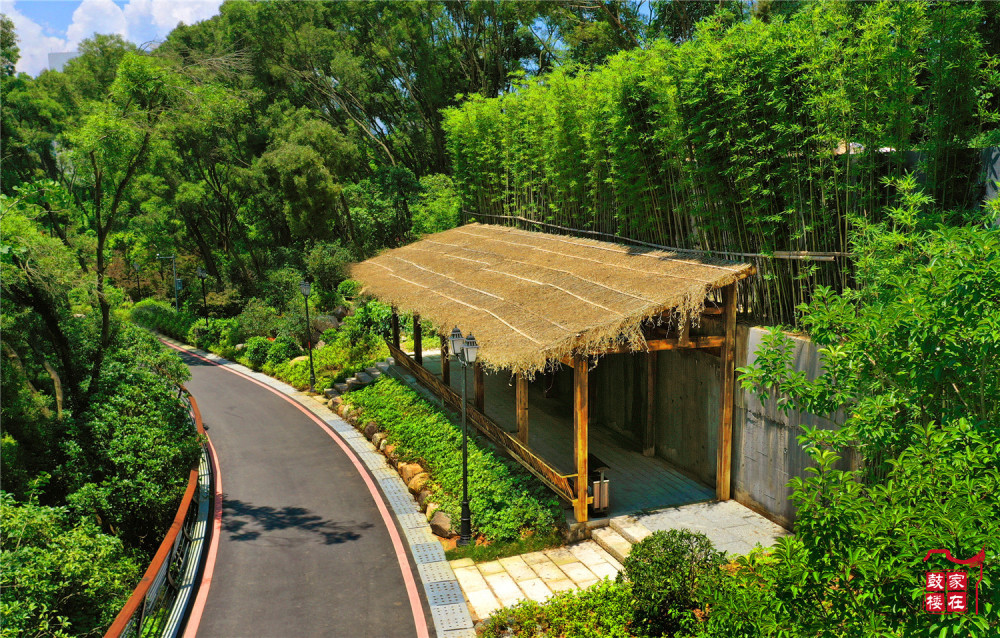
(947, 592)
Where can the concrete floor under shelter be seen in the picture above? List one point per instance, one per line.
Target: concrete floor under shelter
(636, 482)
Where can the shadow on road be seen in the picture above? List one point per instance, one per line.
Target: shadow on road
(246, 522)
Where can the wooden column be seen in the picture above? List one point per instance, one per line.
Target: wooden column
(395, 327)
(581, 421)
(418, 354)
(649, 434)
(727, 368)
(477, 382)
(445, 362)
(521, 393)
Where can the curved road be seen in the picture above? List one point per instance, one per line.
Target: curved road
(303, 550)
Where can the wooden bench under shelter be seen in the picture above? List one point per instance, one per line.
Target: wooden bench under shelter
(536, 301)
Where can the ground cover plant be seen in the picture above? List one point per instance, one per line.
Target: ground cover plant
(507, 502)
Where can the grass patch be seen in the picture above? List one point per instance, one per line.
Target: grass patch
(493, 551)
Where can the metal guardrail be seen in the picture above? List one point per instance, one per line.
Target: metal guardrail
(158, 605)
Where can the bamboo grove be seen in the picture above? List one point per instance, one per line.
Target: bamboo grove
(762, 141)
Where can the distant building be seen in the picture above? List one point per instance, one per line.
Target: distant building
(58, 60)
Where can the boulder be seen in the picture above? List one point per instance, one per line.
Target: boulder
(383, 444)
(441, 524)
(304, 357)
(409, 470)
(422, 498)
(378, 438)
(322, 323)
(390, 454)
(336, 399)
(339, 313)
(430, 509)
(418, 483)
(371, 428)
(240, 346)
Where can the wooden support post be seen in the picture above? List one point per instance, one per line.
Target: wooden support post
(418, 354)
(395, 328)
(581, 421)
(685, 337)
(477, 381)
(445, 361)
(521, 394)
(649, 434)
(727, 368)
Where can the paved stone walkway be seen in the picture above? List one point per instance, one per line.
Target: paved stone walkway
(536, 576)
(730, 526)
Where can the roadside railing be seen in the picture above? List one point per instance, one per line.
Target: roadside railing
(158, 605)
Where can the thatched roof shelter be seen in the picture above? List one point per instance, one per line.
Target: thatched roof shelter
(532, 297)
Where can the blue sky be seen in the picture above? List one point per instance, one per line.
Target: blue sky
(48, 26)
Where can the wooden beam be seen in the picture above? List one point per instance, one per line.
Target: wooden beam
(649, 434)
(521, 402)
(727, 368)
(418, 354)
(581, 423)
(395, 327)
(566, 361)
(653, 345)
(480, 386)
(445, 361)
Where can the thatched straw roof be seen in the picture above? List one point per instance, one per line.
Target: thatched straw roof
(534, 297)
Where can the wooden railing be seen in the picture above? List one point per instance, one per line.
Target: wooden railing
(152, 610)
(555, 480)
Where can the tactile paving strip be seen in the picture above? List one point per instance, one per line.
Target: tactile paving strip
(416, 520)
(448, 617)
(458, 633)
(446, 592)
(415, 535)
(435, 572)
(384, 473)
(427, 552)
(402, 504)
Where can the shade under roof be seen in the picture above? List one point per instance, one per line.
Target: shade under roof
(532, 297)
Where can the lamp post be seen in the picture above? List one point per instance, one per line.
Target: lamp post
(305, 287)
(135, 267)
(204, 295)
(173, 262)
(465, 350)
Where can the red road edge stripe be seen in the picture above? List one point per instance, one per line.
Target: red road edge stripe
(397, 542)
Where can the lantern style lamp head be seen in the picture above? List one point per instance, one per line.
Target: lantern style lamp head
(201, 273)
(305, 287)
(471, 349)
(457, 341)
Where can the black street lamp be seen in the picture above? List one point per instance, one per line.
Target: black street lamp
(204, 295)
(177, 283)
(305, 287)
(135, 267)
(465, 350)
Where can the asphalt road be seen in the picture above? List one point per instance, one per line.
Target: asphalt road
(303, 550)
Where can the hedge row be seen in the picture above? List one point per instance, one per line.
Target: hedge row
(506, 501)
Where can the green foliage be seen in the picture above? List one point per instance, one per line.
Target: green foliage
(369, 318)
(281, 350)
(485, 553)
(601, 611)
(327, 264)
(256, 351)
(161, 317)
(61, 576)
(257, 319)
(855, 566)
(349, 288)
(437, 206)
(339, 359)
(505, 499)
(223, 333)
(664, 570)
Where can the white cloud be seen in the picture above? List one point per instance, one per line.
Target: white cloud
(35, 45)
(139, 21)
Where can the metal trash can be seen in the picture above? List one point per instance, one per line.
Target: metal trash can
(599, 490)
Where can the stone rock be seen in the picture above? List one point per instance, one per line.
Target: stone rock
(240, 346)
(430, 509)
(336, 399)
(418, 482)
(390, 454)
(320, 344)
(371, 428)
(378, 438)
(422, 498)
(441, 524)
(353, 416)
(409, 470)
(322, 323)
(329, 393)
(304, 357)
(340, 312)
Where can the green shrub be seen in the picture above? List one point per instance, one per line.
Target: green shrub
(349, 288)
(255, 351)
(664, 569)
(506, 500)
(369, 318)
(161, 317)
(327, 263)
(219, 333)
(282, 349)
(334, 362)
(601, 611)
(258, 319)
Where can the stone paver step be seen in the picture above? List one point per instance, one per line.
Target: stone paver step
(613, 542)
(329, 393)
(630, 529)
(341, 387)
(373, 371)
(363, 378)
(382, 366)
